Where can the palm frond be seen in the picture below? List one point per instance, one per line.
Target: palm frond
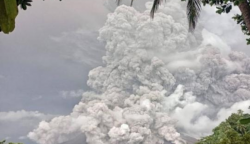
(193, 13)
(132, 1)
(212, 2)
(218, 2)
(118, 2)
(155, 7)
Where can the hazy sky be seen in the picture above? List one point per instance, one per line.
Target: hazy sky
(44, 63)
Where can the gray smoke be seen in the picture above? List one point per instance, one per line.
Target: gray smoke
(158, 82)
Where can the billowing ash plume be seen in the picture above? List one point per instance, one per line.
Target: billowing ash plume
(158, 82)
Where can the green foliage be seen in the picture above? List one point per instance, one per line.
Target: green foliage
(24, 3)
(245, 119)
(3, 142)
(232, 131)
(8, 13)
(225, 6)
(239, 19)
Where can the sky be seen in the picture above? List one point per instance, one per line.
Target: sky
(44, 63)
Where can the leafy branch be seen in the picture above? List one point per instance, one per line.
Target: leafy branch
(235, 130)
(3, 142)
(225, 6)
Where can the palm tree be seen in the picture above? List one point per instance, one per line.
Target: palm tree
(3, 142)
(194, 9)
(8, 13)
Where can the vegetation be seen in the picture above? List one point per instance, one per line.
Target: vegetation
(223, 6)
(8, 13)
(245, 120)
(235, 130)
(3, 142)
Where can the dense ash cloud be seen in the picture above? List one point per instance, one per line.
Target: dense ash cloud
(155, 75)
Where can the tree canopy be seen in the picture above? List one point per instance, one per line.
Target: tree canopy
(9, 11)
(4, 142)
(234, 130)
(223, 6)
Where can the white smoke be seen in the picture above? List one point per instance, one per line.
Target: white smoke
(158, 82)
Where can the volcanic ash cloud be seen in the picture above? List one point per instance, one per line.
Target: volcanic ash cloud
(158, 83)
